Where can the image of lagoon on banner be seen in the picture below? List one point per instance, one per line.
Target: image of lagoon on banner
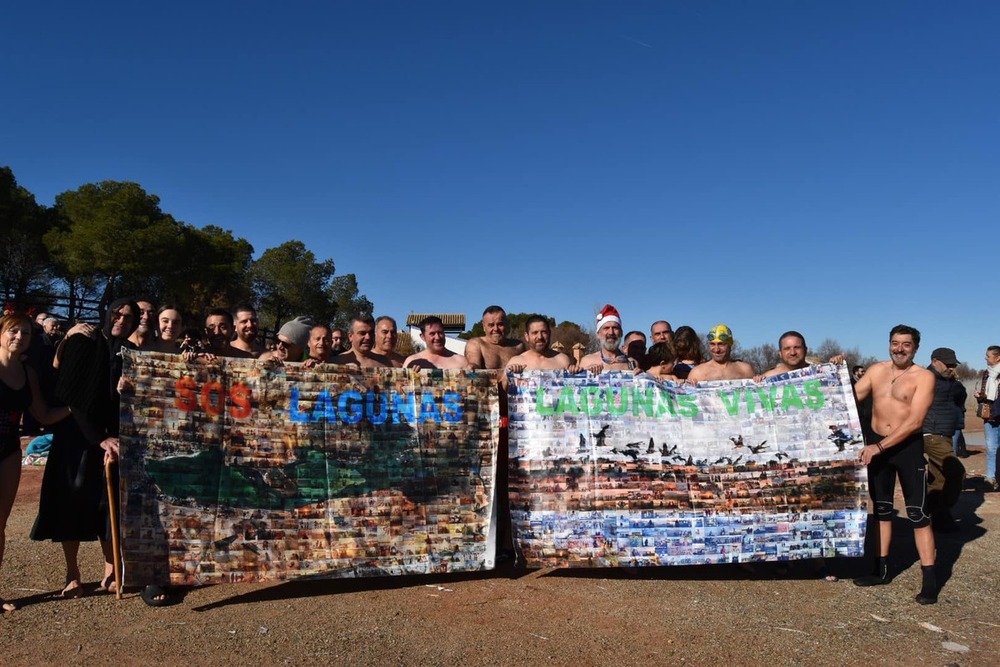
(240, 470)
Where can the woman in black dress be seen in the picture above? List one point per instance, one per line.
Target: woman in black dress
(19, 391)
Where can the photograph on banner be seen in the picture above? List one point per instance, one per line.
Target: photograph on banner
(241, 470)
(619, 470)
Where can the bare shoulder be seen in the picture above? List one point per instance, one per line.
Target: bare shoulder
(744, 369)
(591, 359)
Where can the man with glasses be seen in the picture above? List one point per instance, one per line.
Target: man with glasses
(721, 365)
(291, 341)
(945, 473)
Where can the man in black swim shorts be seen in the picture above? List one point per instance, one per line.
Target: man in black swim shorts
(901, 393)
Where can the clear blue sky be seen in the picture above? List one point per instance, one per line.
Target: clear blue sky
(828, 167)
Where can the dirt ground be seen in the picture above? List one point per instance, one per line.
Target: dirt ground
(693, 615)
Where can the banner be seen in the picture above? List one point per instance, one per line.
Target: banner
(239, 470)
(616, 470)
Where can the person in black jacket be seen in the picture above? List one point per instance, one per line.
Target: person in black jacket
(945, 472)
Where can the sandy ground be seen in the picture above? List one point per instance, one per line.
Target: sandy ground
(695, 616)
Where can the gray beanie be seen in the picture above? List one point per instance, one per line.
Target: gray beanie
(297, 330)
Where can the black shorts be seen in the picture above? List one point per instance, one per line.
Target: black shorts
(907, 461)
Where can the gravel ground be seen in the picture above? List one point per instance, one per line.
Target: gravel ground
(695, 616)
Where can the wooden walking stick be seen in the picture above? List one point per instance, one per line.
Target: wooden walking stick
(113, 510)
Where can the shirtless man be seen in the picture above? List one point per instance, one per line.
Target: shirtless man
(219, 329)
(320, 344)
(609, 335)
(247, 328)
(142, 337)
(493, 350)
(793, 351)
(539, 355)
(436, 355)
(720, 366)
(661, 332)
(360, 354)
(385, 341)
(901, 393)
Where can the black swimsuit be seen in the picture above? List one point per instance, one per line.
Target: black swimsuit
(13, 403)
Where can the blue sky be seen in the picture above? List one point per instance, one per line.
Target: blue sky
(826, 167)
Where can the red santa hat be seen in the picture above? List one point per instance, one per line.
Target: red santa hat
(608, 314)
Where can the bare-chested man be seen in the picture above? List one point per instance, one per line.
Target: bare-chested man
(219, 330)
(385, 340)
(362, 338)
(436, 355)
(320, 344)
(793, 353)
(720, 366)
(661, 332)
(247, 328)
(494, 349)
(539, 355)
(609, 335)
(901, 393)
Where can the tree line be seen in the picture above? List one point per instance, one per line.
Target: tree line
(110, 239)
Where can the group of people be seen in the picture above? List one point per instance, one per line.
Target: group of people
(907, 403)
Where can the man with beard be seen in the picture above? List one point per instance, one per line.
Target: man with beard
(72, 506)
(143, 337)
(720, 365)
(219, 329)
(436, 355)
(360, 353)
(902, 393)
(609, 335)
(247, 328)
(493, 349)
(539, 355)
(385, 341)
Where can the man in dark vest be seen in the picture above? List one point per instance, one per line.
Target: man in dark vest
(945, 473)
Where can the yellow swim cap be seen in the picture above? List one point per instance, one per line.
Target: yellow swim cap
(720, 333)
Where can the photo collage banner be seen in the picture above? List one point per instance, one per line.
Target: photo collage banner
(239, 470)
(614, 470)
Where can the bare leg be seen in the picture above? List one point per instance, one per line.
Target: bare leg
(74, 589)
(10, 476)
(885, 537)
(108, 580)
(924, 538)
